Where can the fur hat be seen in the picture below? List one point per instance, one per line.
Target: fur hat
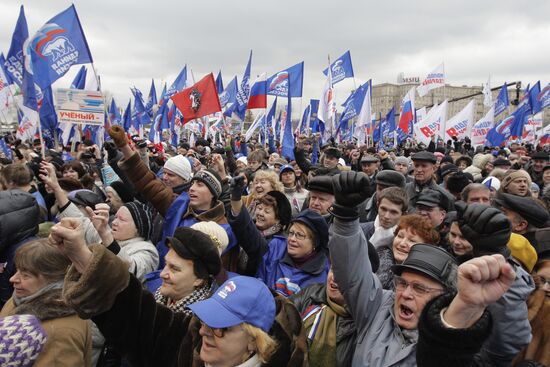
(197, 246)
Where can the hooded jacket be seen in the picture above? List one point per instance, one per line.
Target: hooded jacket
(149, 334)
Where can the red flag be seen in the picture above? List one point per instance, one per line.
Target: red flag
(199, 100)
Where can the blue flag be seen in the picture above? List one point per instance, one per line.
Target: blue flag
(48, 117)
(291, 78)
(114, 114)
(151, 100)
(305, 119)
(58, 45)
(376, 131)
(288, 138)
(79, 81)
(387, 129)
(509, 126)
(142, 117)
(15, 59)
(534, 101)
(239, 107)
(5, 149)
(219, 83)
(177, 85)
(341, 68)
(313, 118)
(502, 102)
(229, 94)
(271, 113)
(127, 117)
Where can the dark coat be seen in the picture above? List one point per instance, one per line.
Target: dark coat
(147, 333)
(316, 294)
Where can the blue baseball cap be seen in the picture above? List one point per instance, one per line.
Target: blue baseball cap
(240, 299)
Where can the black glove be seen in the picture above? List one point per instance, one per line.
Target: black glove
(236, 187)
(111, 149)
(350, 189)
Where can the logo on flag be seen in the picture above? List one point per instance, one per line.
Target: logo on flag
(279, 84)
(195, 98)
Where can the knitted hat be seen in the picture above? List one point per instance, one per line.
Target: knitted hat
(199, 247)
(216, 232)
(212, 180)
(317, 224)
(123, 191)
(142, 216)
(22, 339)
(180, 166)
(512, 175)
(523, 251)
(486, 228)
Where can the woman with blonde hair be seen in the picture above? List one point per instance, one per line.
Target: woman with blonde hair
(264, 181)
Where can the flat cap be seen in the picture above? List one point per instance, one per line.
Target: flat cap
(526, 207)
(432, 198)
(321, 184)
(424, 156)
(369, 159)
(390, 178)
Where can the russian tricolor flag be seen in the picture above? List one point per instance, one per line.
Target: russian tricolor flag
(258, 94)
(407, 111)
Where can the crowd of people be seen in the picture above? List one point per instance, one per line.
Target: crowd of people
(231, 254)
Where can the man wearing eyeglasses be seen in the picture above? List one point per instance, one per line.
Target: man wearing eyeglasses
(387, 322)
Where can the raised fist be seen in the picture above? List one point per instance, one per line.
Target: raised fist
(118, 135)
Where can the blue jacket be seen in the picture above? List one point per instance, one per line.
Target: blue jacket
(178, 216)
(270, 261)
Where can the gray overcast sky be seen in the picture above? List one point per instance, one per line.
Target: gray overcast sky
(134, 41)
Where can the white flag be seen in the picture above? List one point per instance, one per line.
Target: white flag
(433, 80)
(254, 126)
(482, 127)
(364, 118)
(487, 94)
(327, 106)
(432, 123)
(461, 123)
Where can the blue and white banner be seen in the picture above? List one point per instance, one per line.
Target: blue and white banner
(278, 84)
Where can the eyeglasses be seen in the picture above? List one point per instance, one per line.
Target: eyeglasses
(542, 281)
(218, 332)
(418, 289)
(299, 236)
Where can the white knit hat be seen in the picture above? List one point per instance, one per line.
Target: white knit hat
(180, 166)
(216, 233)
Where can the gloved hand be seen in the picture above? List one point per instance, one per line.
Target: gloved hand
(485, 227)
(111, 149)
(236, 187)
(118, 135)
(350, 189)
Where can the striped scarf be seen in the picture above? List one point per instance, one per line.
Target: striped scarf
(180, 306)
